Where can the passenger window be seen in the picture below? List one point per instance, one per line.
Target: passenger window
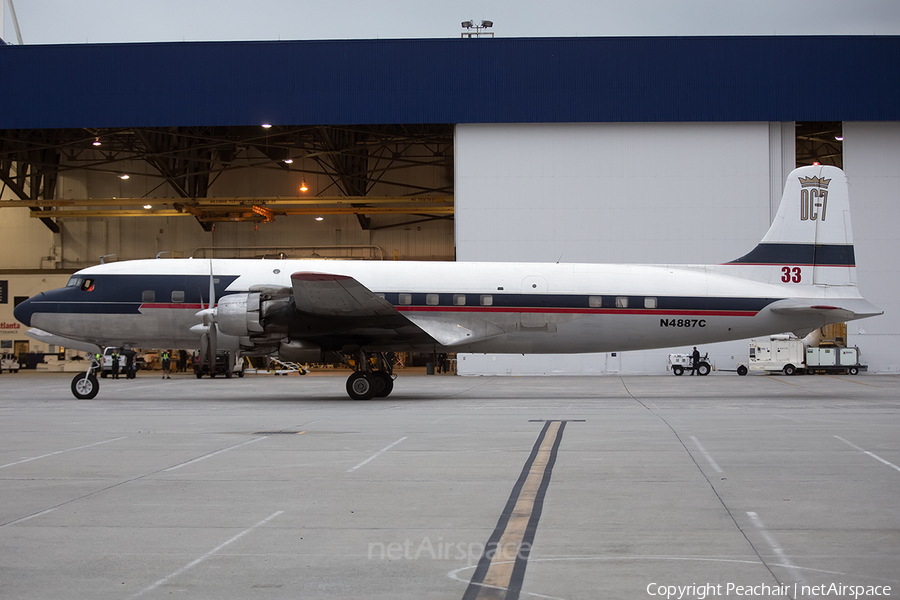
(621, 301)
(177, 296)
(649, 302)
(432, 299)
(487, 300)
(405, 299)
(459, 299)
(148, 296)
(595, 301)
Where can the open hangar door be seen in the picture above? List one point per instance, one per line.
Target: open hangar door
(871, 156)
(617, 193)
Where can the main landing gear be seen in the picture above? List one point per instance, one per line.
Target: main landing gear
(373, 376)
(85, 385)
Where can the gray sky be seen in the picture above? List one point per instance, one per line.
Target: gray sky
(94, 21)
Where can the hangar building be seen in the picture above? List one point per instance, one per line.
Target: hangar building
(652, 150)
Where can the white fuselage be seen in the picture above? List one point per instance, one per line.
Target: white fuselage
(464, 307)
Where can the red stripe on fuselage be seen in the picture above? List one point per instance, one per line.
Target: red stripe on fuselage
(159, 305)
(580, 311)
(525, 309)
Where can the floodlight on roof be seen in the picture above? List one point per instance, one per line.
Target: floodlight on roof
(478, 27)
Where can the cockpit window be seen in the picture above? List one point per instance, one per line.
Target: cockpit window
(87, 285)
(74, 282)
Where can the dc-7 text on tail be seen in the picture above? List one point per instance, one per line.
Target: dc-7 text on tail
(801, 276)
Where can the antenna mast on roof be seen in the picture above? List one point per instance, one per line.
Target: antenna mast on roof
(12, 13)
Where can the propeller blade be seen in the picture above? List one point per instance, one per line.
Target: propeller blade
(213, 343)
(204, 349)
(212, 287)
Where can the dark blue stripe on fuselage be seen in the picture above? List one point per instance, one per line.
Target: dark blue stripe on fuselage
(125, 294)
(122, 294)
(575, 301)
(831, 255)
(148, 289)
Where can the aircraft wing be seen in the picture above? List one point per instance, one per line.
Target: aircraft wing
(57, 340)
(342, 306)
(329, 295)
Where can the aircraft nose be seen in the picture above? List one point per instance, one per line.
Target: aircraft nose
(24, 310)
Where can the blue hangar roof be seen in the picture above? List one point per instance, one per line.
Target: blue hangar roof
(500, 80)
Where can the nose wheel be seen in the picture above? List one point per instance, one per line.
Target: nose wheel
(85, 385)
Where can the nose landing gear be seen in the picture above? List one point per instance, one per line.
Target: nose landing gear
(85, 385)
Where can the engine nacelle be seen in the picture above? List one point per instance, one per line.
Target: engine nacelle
(238, 314)
(249, 314)
(300, 351)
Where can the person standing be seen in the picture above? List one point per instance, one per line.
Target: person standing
(115, 364)
(695, 361)
(129, 364)
(166, 364)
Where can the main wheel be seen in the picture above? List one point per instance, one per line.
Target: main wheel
(678, 370)
(85, 387)
(387, 384)
(361, 386)
(703, 369)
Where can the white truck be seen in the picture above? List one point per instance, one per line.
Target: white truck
(9, 363)
(791, 355)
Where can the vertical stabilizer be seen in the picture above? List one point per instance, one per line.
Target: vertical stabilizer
(810, 240)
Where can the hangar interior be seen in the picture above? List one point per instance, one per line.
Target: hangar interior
(667, 191)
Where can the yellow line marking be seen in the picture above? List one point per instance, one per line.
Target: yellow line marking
(502, 563)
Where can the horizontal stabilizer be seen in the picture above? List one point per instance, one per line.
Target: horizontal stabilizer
(845, 309)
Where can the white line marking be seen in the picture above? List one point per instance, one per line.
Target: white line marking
(707, 455)
(196, 562)
(23, 519)
(211, 454)
(875, 456)
(785, 561)
(61, 452)
(376, 455)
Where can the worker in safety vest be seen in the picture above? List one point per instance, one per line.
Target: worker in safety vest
(166, 364)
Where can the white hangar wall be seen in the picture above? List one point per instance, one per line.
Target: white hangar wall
(871, 156)
(615, 192)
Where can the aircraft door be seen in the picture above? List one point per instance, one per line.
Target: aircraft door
(534, 290)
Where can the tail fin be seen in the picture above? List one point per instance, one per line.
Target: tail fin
(810, 240)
